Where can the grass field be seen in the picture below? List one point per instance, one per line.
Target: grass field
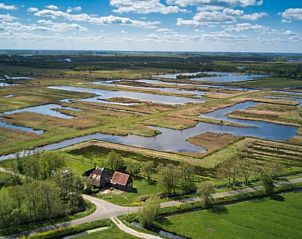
(144, 189)
(259, 219)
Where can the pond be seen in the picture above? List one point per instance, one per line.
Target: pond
(2, 84)
(235, 88)
(20, 128)
(107, 94)
(174, 76)
(216, 77)
(176, 140)
(47, 109)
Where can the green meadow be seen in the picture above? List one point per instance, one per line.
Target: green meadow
(269, 218)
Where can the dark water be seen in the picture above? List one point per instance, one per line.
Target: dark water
(235, 88)
(174, 76)
(217, 77)
(107, 94)
(175, 140)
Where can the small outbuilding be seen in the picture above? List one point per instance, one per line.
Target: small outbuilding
(99, 177)
(122, 181)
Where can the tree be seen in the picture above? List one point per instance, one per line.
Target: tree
(20, 162)
(247, 168)
(268, 184)
(114, 161)
(205, 191)
(42, 165)
(147, 168)
(71, 187)
(274, 169)
(186, 178)
(148, 212)
(168, 178)
(132, 167)
(229, 170)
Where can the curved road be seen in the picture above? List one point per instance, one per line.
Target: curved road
(106, 210)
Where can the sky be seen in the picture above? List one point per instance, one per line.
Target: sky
(152, 25)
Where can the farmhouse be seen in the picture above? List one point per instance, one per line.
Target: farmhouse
(99, 177)
(121, 181)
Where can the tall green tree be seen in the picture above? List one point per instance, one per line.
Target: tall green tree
(205, 191)
(168, 178)
(186, 178)
(268, 184)
(132, 167)
(147, 169)
(114, 161)
(148, 212)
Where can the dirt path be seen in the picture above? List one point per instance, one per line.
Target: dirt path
(131, 231)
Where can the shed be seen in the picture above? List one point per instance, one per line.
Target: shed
(99, 177)
(121, 181)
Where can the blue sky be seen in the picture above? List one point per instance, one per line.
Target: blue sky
(160, 25)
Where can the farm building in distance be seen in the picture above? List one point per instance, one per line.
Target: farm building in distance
(102, 178)
(121, 181)
(99, 177)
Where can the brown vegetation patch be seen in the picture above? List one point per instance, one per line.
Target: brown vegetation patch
(45, 122)
(212, 141)
(167, 121)
(281, 114)
(10, 135)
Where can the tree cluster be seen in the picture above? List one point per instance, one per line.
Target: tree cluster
(173, 179)
(241, 169)
(46, 190)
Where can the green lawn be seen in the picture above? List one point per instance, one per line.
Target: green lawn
(113, 233)
(132, 198)
(263, 219)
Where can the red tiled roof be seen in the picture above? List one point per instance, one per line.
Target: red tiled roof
(120, 178)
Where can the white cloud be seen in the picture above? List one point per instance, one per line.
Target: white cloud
(77, 9)
(61, 26)
(228, 3)
(245, 27)
(165, 30)
(74, 9)
(254, 16)
(291, 14)
(10, 25)
(97, 20)
(7, 7)
(32, 9)
(144, 7)
(7, 18)
(214, 15)
(52, 7)
(123, 32)
(290, 33)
